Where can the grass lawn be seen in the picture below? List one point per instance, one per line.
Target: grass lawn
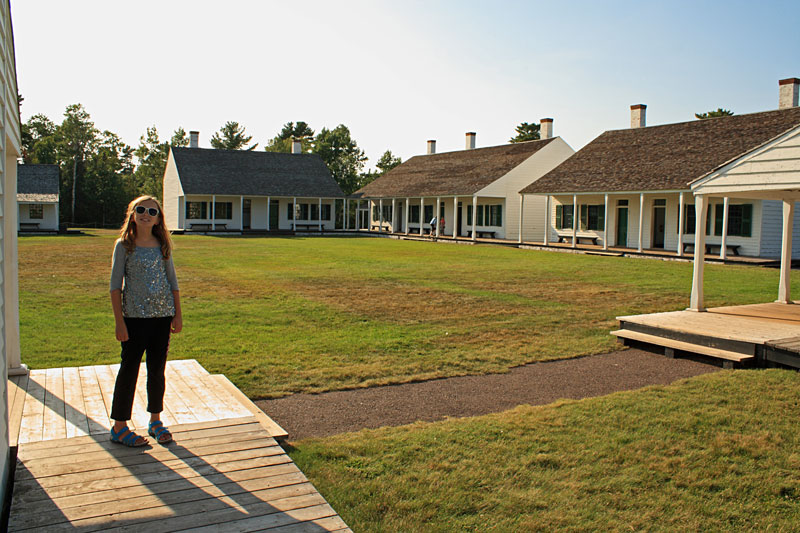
(283, 315)
(720, 452)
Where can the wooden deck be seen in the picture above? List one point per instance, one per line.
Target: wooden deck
(224, 472)
(757, 333)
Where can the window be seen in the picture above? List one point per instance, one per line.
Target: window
(428, 213)
(622, 203)
(223, 210)
(469, 215)
(479, 218)
(441, 210)
(196, 210)
(375, 214)
(326, 211)
(36, 211)
(564, 216)
(690, 218)
(495, 215)
(593, 217)
(740, 219)
(387, 213)
(413, 214)
(302, 212)
(289, 212)
(314, 212)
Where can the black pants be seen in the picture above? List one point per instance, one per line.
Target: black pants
(144, 334)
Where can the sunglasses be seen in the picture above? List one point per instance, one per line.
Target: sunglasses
(152, 211)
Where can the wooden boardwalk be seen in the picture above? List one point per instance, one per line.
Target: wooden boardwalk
(224, 472)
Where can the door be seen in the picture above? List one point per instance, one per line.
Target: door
(659, 216)
(246, 213)
(622, 226)
(274, 214)
(458, 220)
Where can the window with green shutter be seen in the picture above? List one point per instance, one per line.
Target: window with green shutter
(559, 216)
(469, 215)
(428, 214)
(413, 214)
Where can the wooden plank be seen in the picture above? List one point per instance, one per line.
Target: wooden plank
(20, 384)
(32, 426)
(192, 400)
(179, 410)
(329, 523)
(681, 345)
(55, 422)
(218, 398)
(77, 424)
(105, 381)
(97, 417)
(320, 517)
(272, 428)
(140, 417)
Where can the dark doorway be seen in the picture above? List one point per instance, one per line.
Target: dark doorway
(659, 218)
(246, 208)
(458, 221)
(274, 214)
(622, 226)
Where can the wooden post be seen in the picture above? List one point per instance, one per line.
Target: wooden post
(394, 215)
(436, 215)
(421, 215)
(784, 289)
(405, 210)
(641, 219)
(723, 247)
(241, 213)
(700, 205)
(575, 216)
(213, 212)
(455, 211)
(345, 214)
(605, 223)
(294, 213)
(681, 222)
(268, 213)
(547, 220)
(474, 216)
(380, 215)
(319, 213)
(521, 211)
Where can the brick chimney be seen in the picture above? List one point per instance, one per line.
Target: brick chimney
(788, 92)
(546, 129)
(297, 146)
(194, 139)
(470, 140)
(431, 146)
(638, 112)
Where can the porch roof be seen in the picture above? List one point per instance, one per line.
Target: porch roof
(37, 183)
(245, 173)
(660, 158)
(463, 172)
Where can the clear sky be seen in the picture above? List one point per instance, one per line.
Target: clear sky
(400, 72)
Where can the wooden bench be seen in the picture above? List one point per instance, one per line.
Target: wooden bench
(482, 234)
(568, 238)
(28, 225)
(207, 227)
(307, 225)
(713, 248)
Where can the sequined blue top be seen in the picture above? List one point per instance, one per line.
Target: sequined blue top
(146, 281)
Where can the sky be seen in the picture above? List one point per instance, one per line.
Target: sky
(398, 73)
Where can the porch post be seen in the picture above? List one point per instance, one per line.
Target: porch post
(575, 216)
(213, 212)
(405, 210)
(241, 213)
(546, 220)
(268, 214)
(680, 224)
(436, 215)
(421, 214)
(344, 215)
(294, 213)
(521, 211)
(641, 219)
(455, 214)
(605, 223)
(700, 205)
(474, 215)
(784, 289)
(394, 215)
(723, 252)
(370, 209)
(380, 215)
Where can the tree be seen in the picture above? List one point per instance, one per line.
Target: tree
(387, 162)
(107, 185)
(39, 140)
(152, 155)
(76, 135)
(232, 136)
(283, 141)
(526, 132)
(713, 114)
(341, 154)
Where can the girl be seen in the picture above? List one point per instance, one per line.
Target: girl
(146, 308)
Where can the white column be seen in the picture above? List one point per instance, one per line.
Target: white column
(436, 215)
(344, 214)
(605, 223)
(700, 205)
(421, 214)
(546, 220)
(213, 212)
(455, 210)
(641, 219)
(241, 213)
(784, 289)
(405, 218)
(681, 222)
(319, 212)
(723, 248)
(380, 215)
(268, 214)
(474, 216)
(575, 216)
(521, 211)
(10, 263)
(294, 213)
(394, 215)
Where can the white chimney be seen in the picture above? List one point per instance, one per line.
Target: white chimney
(546, 129)
(194, 139)
(431, 146)
(470, 140)
(297, 146)
(638, 112)
(789, 90)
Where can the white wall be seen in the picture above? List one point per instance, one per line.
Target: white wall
(771, 228)
(172, 192)
(49, 211)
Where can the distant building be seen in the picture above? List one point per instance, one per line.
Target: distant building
(37, 197)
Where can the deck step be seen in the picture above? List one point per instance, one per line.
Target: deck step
(683, 346)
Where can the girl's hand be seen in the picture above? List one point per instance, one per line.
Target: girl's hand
(122, 332)
(177, 324)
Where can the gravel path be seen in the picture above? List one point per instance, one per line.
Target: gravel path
(320, 415)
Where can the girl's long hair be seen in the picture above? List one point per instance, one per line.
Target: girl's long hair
(127, 234)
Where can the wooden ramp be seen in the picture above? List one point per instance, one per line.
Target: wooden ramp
(224, 472)
(744, 334)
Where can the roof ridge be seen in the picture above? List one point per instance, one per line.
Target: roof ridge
(705, 120)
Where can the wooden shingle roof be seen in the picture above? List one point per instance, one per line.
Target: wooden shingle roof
(37, 183)
(245, 173)
(659, 158)
(463, 172)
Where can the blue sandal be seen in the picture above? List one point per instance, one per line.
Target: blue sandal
(131, 439)
(157, 429)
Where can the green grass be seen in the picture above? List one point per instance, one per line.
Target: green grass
(283, 315)
(714, 453)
